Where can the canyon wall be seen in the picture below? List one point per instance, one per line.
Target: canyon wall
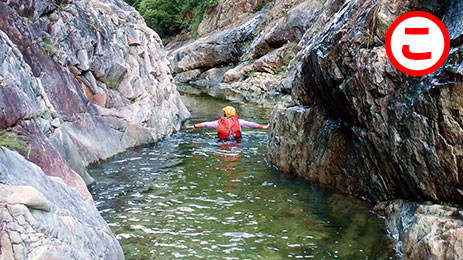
(243, 49)
(80, 81)
(356, 123)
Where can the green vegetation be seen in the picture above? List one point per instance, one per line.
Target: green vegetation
(288, 56)
(62, 5)
(284, 71)
(49, 47)
(290, 53)
(96, 25)
(13, 140)
(112, 82)
(369, 38)
(170, 17)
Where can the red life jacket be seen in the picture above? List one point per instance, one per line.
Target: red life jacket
(229, 127)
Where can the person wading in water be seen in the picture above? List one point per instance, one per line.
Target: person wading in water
(229, 126)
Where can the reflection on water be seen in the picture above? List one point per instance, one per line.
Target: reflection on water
(193, 197)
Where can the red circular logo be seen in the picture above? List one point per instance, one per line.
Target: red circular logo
(417, 43)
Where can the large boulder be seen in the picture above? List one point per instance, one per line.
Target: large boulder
(227, 13)
(306, 141)
(42, 217)
(289, 26)
(424, 231)
(216, 49)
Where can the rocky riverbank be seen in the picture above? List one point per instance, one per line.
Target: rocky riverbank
(243, 50)
(357, 124)
(44, 218)
(424, 230)
(80, 81)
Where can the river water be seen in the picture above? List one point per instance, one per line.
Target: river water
(192, 197)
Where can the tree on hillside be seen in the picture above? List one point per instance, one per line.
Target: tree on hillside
(169, 17)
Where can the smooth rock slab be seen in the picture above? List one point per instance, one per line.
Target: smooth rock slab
(26, 195)
(47, 219)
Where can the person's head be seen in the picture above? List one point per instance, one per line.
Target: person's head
(229, 111)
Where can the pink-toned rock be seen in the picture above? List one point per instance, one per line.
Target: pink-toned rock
(100, 99)
(272, 62)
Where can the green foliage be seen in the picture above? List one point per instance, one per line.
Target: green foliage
(284, 71)
(369, 38)
(12, 140)
(170, 17)
(133, 2)
(49, 47)
(112, 82)
(62, 5)
(198, 15)
(290, 52)
(95, 24)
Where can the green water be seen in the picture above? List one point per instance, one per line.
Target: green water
(192, 197)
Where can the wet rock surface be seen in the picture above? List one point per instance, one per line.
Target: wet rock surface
(80, 81)
(425, 231)
(401, 133)
(250, 48)
(359, 125)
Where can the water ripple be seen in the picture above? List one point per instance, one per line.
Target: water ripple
(192, 197)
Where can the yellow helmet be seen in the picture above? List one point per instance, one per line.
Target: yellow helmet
(229, 111)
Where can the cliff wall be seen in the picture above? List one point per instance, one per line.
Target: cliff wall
(362, 126)
(357, 124)
(80, 81)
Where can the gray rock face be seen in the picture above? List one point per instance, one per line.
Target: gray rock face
(227, 13)
(216, 49)
(425, 231)
(41, 217)
(80, 81)
(301, 132)
(83, 81)
(250, 50)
